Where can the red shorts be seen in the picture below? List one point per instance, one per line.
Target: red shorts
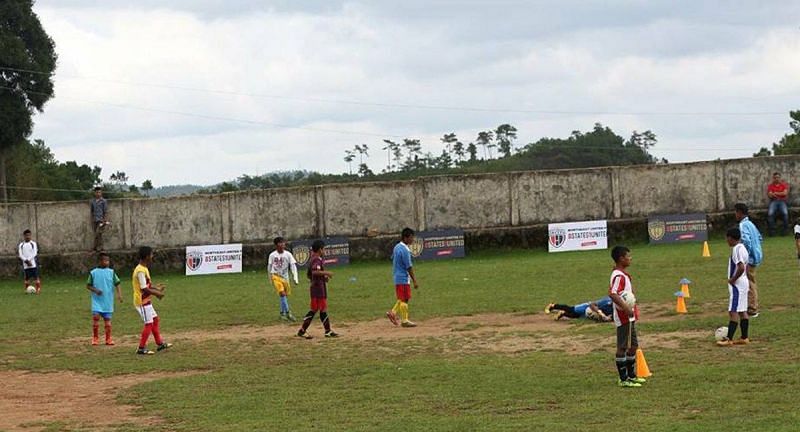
(319, 304)
(403, 292)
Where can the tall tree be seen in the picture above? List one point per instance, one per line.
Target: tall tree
(789, 143)
(472, 149)
(394, 152)
(349, 156)
(505, 134)
(413, 153)
(485, 140)
(27, 62)
(458, 149)
(147, 186)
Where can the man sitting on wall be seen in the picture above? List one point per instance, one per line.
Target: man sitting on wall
(778, 193)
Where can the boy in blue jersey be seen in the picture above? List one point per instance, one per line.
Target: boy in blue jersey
(600, 310)
(402, 271)
(101, 283)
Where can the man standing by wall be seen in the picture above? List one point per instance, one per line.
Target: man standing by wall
(99, 207)
(778, 193)
(751, 239)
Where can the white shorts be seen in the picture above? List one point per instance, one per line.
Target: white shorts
(737, 299)
(148, 313)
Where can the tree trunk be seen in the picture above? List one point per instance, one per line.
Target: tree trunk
(3, 187)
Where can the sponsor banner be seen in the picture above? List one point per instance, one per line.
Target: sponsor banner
(212, 259)
(572, 236)
(337, 251)
(677, 228)
(430, 245)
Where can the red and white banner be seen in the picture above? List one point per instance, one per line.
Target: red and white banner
(574, 236)
(213, 259)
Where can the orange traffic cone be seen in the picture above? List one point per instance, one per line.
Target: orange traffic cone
(706, 250)
(685, 288)
(681, 306)
(641, 365)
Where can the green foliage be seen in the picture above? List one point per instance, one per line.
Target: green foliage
(34, 174)
(790, 143)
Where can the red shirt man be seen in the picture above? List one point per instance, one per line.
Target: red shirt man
(778, 190)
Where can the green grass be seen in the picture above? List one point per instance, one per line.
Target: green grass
(432, 384)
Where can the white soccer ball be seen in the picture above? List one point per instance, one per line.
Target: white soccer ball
(628, 298)
(721, 333)
(30, 289)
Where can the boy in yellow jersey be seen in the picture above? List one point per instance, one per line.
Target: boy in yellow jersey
(402, 271)
(279, 263)
(142, 291)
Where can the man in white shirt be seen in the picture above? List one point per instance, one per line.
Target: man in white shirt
(28, 250)
(279, 263)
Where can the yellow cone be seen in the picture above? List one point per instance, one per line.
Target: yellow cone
(706, 251)
(641, 365)
(685, 290)
(681, 306)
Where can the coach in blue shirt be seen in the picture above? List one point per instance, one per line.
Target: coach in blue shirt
(751, 239)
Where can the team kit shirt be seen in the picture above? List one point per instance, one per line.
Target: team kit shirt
(620, 283)
(141, 278)
(605, 305)
(319, 286)
(27, 252)
(104, 279)
(279, 264)
(401, 262)
(738, 290)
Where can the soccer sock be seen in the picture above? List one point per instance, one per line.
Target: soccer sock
(404, 311)
(630, 363)
(745, 323)
(284, 304)
(38, 286)
(307, 321)
(148, 328)
(731, 329)
(157, 332)
(323, 316)
(108, 329)
(397, 304)
(95, 326)
(622, 368)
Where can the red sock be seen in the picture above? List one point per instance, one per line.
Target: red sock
(38, 286)
(108, 330)
(95, 325)
(148, 328)
(157, 332)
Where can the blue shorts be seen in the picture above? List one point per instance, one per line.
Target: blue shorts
(105, 315)
(580, 309)
(31, 273)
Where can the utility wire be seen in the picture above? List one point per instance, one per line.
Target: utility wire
(416, 106)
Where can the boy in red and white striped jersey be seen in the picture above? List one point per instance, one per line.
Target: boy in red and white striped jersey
(624, 318)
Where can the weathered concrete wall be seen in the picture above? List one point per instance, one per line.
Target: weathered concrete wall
(504, 204)
(355, 209)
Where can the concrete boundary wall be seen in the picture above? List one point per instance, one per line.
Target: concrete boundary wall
(475, 203)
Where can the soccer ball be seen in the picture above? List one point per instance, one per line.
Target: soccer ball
(721, 333)
(628, 298)
(30, 289)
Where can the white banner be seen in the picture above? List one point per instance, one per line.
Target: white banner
(212, 259)
(572, 236)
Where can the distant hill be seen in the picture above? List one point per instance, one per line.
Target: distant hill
(174, 190)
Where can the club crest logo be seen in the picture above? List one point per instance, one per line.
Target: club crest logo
(417, 247)
(194, 260)
(557, 237)
(301, 254)
(656, 229)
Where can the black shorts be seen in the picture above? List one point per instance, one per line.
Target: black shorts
(622, 336)
(31, 273)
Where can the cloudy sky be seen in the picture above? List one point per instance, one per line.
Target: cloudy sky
(201, 91)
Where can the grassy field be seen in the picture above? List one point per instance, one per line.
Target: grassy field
(449, 381)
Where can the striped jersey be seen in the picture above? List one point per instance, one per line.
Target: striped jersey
(621, 282)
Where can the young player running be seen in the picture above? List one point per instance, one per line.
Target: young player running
(278, 265)
(102, 282)
(319, 292)
(143, 289)
(403, 271)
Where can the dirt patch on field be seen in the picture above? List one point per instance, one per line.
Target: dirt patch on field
(31, 400)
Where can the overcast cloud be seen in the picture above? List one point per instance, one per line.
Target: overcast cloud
(290, 84)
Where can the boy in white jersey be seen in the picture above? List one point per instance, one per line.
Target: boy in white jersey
(278, 265)
(738, 285)
(624, 318)
(27, 252)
